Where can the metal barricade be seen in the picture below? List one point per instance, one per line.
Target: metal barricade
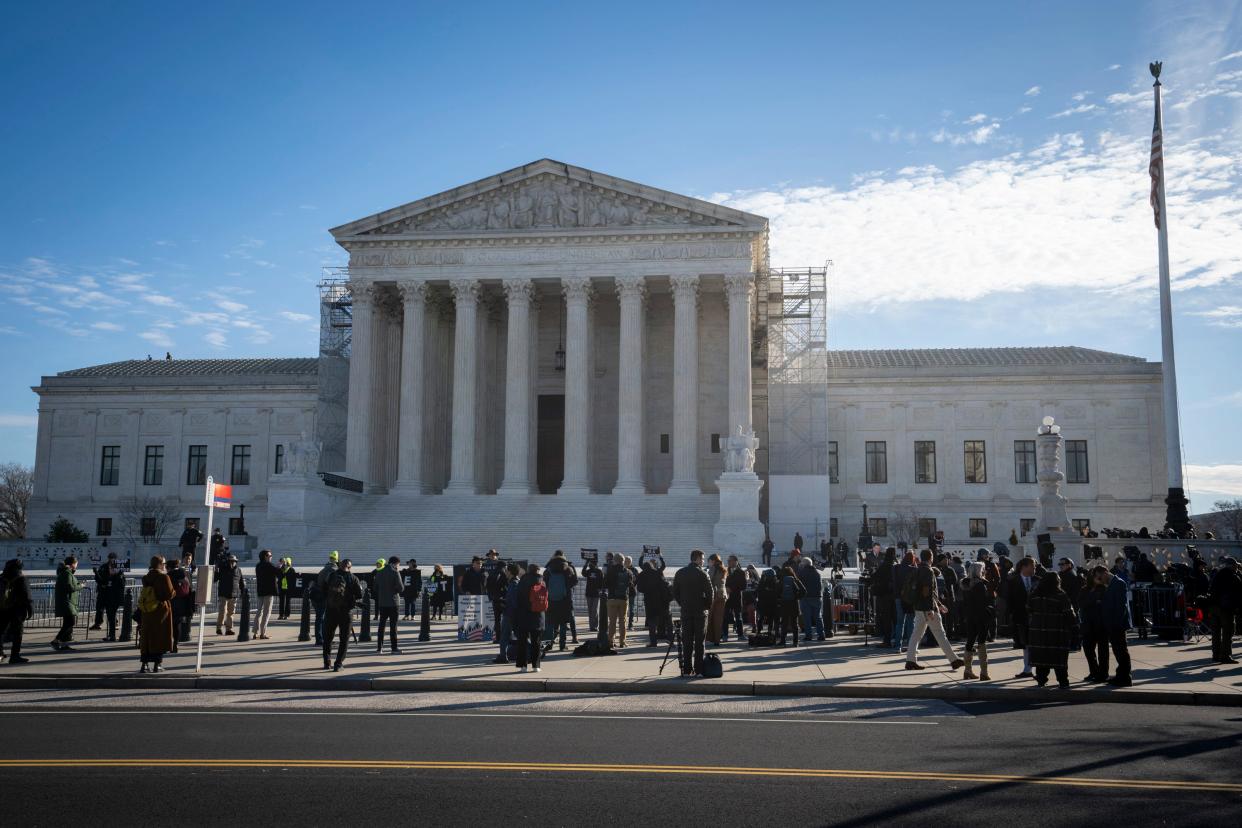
(852, 608)
(1158, 609)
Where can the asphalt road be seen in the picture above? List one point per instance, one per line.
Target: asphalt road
(318, 759)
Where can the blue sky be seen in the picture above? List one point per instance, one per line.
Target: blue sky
(976, 172)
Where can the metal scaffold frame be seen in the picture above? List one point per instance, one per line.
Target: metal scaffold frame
(335, 312)
(797, 369)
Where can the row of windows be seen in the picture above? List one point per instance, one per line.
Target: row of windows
(146, 526)
(974, 461)
(977, 527)
(196, 466)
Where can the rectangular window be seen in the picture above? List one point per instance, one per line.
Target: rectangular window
(715, 444)
(153, 466)
(927, 527)
(877, 461)
(110, 466)
(1076, 462)
(975, 461)
(978, 527)
(879, 527)
(103, 527)
(663, 444)
(1081, 524)
(1025, 525)
(924, 461)
(196, 469)
(832, 461)
(1024, 461)
(235, 526)
(146, 527)
(832, 528)
(280, 458)
(241, 466)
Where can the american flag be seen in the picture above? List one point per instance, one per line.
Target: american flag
(1156, 167)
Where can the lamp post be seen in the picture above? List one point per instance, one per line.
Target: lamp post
(241, 520)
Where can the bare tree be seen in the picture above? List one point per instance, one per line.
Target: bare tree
(147, 518)
(904, 526)
(1226, 520)
(16, 487)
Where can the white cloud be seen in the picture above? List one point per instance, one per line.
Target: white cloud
(107, 326)
(978, 136)
(295, 317)
(1080, 96)
(216, 339)
(1124, 98)
(977, 118)
(160, 299)
(19, 420)
(1230, 56)
(1032, 92)
(1113, 68)
(1075, 110)
(1209, 480)
(230, 306)
(1061, 215)
(157, 336)
(1226, 316)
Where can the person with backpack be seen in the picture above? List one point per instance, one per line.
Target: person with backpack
(319, 592)
(693, 592)
(792, 593)
(594, 577)
(16, 608)
(560, 579)
(229, 588)
(265, 575)
(181, 575)
(155, 627)
(387, 593)
(286, 579)
(66, 591)
(342, 592)
(620, 581)
(928, 611)
(528, 618)
(656, 598)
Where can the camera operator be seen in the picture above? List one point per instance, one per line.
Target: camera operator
(692, 590)
(656, 598)
(594, 578)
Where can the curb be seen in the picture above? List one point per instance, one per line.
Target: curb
(1024, 696)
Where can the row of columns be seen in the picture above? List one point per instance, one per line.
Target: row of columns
(578, 293)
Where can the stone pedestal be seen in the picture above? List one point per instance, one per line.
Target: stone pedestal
(298, 505)
(1068, 545)
(738, 532)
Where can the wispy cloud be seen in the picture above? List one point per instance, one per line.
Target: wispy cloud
(1230, 56)
(230, 306)
(978, 136)
(19, 420)
(1032, 92)
(1075, 110)
(1226, 316)
(106, 326)
(1219, 479)
(1113, 68)
(157, 336)
(295, 317)
(977, 118)
(160, 299)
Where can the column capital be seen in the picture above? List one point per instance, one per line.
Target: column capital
(631, 287)
(577, 288)
(519, 291)
(684, 286)
(465, 291)
(362, 293)
(739, 285)
(412, 292)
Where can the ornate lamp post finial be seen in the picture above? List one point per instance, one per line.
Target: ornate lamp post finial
(1155, 70)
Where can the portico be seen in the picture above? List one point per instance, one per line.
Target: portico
(621, 312)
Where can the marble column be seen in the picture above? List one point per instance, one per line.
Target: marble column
(519, 293)
(739, 289)
(358, 418)
(413, 354)
(632, 292)
(465, 370)
(577, 480)
(685, 385)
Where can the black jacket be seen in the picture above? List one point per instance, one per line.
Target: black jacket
(1016, 598)
(692, 589)
(353, 589)
(229, 581)
(655, 590)
(1226, 590)
(620, 583)
(265, 573)
(21, 605)
(594, 577)
(978, 609)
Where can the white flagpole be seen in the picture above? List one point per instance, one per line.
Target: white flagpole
(1175, 516)
(202, 613)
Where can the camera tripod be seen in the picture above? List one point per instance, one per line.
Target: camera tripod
(674, 639)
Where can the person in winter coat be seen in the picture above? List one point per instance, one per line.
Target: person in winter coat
(342, 592)
(735, 584)
(16, 608)
(594, 577)
(882, 591)
(620, 582)
(440, 594)
(928, 611)
(111, 594)
(768, 602)
(1226, 591)
(656, 597)
(528, 622)
(508, 605)
(228, 593)
(181, 575)
(693, 592)
(319, 592)
(1053, 630)
(286, 579)
(1115, 611)
(387, 593)
(1018, 589)
(720, 597)
(265, 587)
(155, 629)
(978, 616)
(560, 579)
(903, 611)
(412, 581)
(1094, 633)
(811, 604)
(792, 593)
(67, 589)
(1071, 581)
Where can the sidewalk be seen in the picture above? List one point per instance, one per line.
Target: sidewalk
(841, 667)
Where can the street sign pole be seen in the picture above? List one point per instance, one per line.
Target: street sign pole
(216, 496)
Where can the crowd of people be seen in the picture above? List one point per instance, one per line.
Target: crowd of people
(920, 599)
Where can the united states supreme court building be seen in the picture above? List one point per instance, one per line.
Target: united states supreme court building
(556, 358)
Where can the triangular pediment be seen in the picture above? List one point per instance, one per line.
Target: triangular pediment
(552, 197)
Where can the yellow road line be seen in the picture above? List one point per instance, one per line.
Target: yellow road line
(691, 770)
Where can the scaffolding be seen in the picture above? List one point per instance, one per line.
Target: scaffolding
(796, 346)
(336, 316)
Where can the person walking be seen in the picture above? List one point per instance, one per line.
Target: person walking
(720, 597)
(903, 609)
(66, 592)
(1115, 612)
(155, 628)
(387, 593)
(735, 588)
(1053, 627)
(812, 602)
(559, 578)
(508, 604)
(656, 597)
(265, 587)
(927, 615)
(319, 592)
(181, 575)
(978, 616)
(287, 578)
(620, 580)
(411, 587)
(16, 608)
(1226, 592)
(342, 592)
(1021, 584)
(228, 592)
(882, 592)
(528, 619)
(693, 592)
(594, 578)
(792, 593)
(111, 591)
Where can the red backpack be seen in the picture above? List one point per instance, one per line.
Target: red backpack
(539, 597)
